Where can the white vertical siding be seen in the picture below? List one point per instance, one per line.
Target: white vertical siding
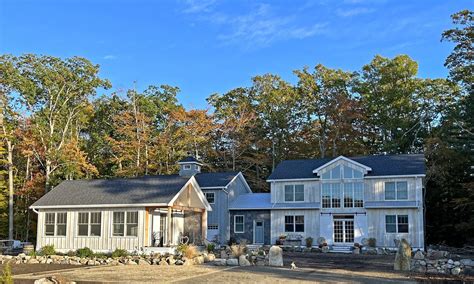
(106, 242)
(311, 190)
(311, 223)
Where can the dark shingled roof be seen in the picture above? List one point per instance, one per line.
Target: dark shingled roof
(141, 190)
(215, 179)
(189, 159)
(382, 165)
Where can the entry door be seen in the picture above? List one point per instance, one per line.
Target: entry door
(158, 225)
(259, 237)
(344, 229)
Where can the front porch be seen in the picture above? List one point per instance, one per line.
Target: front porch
(184, 220)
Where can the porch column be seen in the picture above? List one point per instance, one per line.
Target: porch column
(204, 224)
(169, 228)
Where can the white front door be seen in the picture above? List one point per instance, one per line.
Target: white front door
(158, 225)
(343, 229)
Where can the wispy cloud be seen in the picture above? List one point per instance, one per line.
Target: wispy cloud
(349, 12)
(259, 27)
(198, 6)
(109, 57)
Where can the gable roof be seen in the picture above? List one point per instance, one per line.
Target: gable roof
(381, 165)
(215, 180)
(120, 191)
(251, 201)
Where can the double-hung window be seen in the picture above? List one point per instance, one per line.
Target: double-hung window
(125, 224)
(396, 190)
(55, 224)
(294, 193)
(89, 224)
(396, 223)
(238, 224)
(294, 223)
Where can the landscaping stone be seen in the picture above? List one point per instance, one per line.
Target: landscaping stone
(163, 262)
(232, 262)
(403, 256)
(325, 249)
(419, 255)
(32, 261)
(275, 256)
(467, 262)
(243, 261)
(199, 259)
(179, 262)
(224, 254)
(456, 271)
(210, 257)
(143, 262)
(356, 251)
(220, 262)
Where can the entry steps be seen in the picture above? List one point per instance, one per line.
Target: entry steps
(340, 249)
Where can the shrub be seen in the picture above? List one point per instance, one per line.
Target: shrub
(119, 253)
(189, 251)
(309, 242)
(7, 274)
(47, 250)
(211, 247)
(84, 252)
(232, 241)
(100, 255)
(71, 253)
(372, 242)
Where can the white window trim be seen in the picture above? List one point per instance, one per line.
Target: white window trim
(294, 193)
(396, 224)
(125, 224)
(214, 193)
(55, 225)
(235, 224)
(89, 223)
(353, 194)
(186, 167)
(396, 191)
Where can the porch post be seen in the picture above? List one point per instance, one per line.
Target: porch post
(169, 226)
(204, 224)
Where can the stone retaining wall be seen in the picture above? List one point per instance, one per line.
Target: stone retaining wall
(441, 262)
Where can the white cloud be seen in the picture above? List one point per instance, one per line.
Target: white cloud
(354, 11)
(198, 6)
(109, 57)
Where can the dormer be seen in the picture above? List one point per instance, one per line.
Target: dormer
(189, 166)
(342, 168)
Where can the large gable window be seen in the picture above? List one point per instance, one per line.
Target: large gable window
(55, 224)
(396, 190)
(294, 193)
(342, 186)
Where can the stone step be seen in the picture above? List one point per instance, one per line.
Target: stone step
(340, 249)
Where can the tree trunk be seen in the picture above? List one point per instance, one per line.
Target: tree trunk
(10, 189)
(47, 174)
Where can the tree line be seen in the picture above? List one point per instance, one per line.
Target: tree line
(54, 127)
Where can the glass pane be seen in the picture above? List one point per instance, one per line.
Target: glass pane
(403, 228)
(83, 218)
(336, 195)
(239, 228)
(402, 190)
(348, 198)
(389, 191)
(347, 172)
(118, 229)
(95, 230)
(326, 196)
(96, 218)
(390, 224)
(336, 173)
(338, 232)
(49, 218)
(299, 227)
(49, 230)
(289, 228)
(119, 217)
(132, 230)
(210, 197)
(62, 217)
(358, 174)
(289, 219)
(132, 217)
(82, 230)
(391, 228)
(390, 219)
(326, 175)
(358, 194)
(349, 231)
(239, 219)
(299, 192)
(299, 219)
(61, 230)
(289, 193)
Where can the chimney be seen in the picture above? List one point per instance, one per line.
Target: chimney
(189, 166)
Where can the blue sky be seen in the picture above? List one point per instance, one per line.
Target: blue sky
(210, 46)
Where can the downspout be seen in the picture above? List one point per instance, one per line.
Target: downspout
(34, 210)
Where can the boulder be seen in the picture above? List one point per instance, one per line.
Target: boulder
(403, 256)
(275, 256)
(143, 262)
(467, 262)
(199, 259)
(170, 259)
(419, 255)
(220, 262)
(210, 257)
(188, 262)
(178, 262)
(32, 261)
(325, 249)
(468, 271)
(131, 262)
(243, 261)
(456, 271)
(224, 254)
(232, 262)
(163, 262)
(356, 251)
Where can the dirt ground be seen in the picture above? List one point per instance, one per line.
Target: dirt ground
(323, 268)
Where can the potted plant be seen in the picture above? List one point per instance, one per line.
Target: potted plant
(309, 242)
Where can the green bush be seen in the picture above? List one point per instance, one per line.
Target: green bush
(309, 242)
(100, 255)
(372, 242)
(211, 247)
(7, 275)
(47, 250)
(119, 253)
(84, 252)
(71, 253)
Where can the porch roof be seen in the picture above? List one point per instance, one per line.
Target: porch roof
(251, 201)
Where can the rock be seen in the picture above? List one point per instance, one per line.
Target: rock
(450, 261)
(21, 255)
(224, 254)
(325, 249)
(131, 262)
(170, 259)
(422, 263)
(49, 261)
(179, 262)
(356, 251)
(210, 257)
(199, 259)
(32, 261)
(467, 262)
(163, 262)
(243, 261)
(371, 251)
(468, 271)
(44, 281)
(219, 262)
(456, 271)
(403, 257)
(275, 256)
(419, 255)
(432, 271)
(7, 257)
(92, 262)
(232, 262)
(260, 263)
(457, 263)
(420, 269)
(188, 262)
(435, 254)
(143, 262)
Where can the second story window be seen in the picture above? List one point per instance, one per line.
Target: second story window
(210, 196)
(396, 190)
(294, 193)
